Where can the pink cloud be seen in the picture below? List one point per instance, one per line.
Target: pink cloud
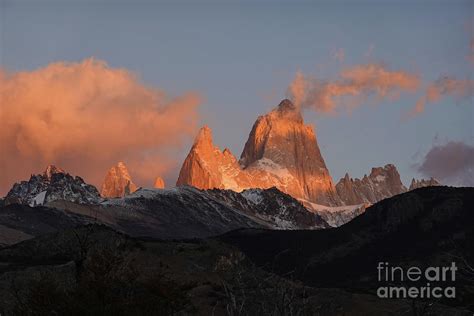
(85, 117)
(352, 87)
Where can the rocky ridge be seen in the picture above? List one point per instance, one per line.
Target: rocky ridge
(53, 184)
(416, 184)
(382, 182)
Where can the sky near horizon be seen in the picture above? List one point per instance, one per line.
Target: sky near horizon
(240, 57)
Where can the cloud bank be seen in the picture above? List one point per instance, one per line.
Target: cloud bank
(452, 163)
(352, 87)
(85, 117)
(458, 89)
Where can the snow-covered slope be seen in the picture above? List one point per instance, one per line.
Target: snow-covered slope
(187, 208)
(278, 209)
(335, 216)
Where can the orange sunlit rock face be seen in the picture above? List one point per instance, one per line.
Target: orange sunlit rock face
(281, 152)
(206, 166)
(159, 183)
(84, 116)
(117, 182)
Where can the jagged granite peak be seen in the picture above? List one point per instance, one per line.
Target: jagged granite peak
(431, 182)
(382, 182)
(207, 167)
(53, 184)
(282, 139)
(159, 183)
(204, 137)
(117, 182)
(281, 151)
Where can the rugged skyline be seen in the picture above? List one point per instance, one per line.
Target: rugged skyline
(236, 157)
(395, 93)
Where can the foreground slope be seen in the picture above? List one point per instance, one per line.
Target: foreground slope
(425, 227)
(93, 270)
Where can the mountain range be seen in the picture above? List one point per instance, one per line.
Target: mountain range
(281, 152)
(180, 212)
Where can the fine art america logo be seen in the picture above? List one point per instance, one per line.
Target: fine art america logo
(415, 282)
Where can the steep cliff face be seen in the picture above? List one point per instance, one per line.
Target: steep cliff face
(281, 152)
(281, 141)
(383, 182)
(117, 182)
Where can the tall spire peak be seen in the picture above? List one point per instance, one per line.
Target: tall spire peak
(204, 136)
(159, 183)
(117, 182)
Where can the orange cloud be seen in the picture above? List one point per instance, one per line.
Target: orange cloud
(444, 87)
(351, 88)
(87, 116)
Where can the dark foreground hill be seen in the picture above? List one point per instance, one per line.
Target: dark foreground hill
(94, 270)
(426, 227)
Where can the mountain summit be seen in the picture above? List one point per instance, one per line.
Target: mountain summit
(117, 182)
(51, 170)
(53, 184)
(207, 167)
(281, 152)
(280, 140)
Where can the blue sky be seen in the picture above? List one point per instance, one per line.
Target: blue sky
(241, 56)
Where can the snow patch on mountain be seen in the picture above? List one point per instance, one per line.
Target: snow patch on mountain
(336, 215)
(38, 199)
(253, 196)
